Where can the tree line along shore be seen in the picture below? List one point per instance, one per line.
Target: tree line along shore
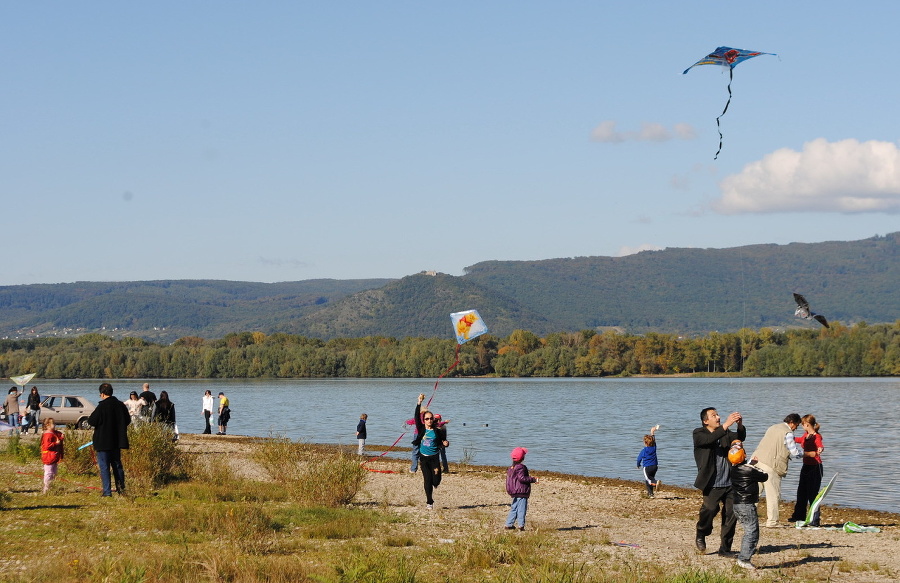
(858, 351)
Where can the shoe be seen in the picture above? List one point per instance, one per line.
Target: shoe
(746, 565)
(429, 507)
(510, 527)
(522, 528)
(701, 543)
(218, 433)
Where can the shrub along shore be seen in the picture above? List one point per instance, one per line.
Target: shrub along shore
(238, 509)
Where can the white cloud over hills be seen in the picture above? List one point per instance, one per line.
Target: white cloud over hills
(847, 176)
(607, 133)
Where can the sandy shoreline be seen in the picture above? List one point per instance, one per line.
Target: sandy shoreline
(595, 519)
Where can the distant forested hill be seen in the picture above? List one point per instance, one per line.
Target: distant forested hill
(165, 310)
(419, 305)
(684, 291)
(701, 290)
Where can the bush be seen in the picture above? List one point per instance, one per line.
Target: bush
(153, 457)
(23, 451)
(78, 461)
(314, 475)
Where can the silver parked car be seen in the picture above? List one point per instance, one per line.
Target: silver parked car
(67, 410)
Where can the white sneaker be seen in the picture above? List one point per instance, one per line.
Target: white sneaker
(429, 506)
(746, 565)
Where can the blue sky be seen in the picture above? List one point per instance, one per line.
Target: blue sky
(281, 141)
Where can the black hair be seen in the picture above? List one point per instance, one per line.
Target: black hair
(704, 412)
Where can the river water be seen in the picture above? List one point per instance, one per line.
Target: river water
(591, 427)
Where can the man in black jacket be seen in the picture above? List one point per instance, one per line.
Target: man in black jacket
(711, 443)
(110, 422)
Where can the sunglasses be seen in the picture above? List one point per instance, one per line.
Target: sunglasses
(429, 418)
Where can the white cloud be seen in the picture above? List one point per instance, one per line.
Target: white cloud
(624, 250)
(846, 177)
(607, 133)
(685, 131)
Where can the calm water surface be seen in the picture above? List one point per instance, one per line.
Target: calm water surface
(591, 427)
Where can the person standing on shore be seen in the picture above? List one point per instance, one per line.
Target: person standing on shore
(430, 438)
(772, 455)
(134, 405)
(361, 433)
(165, 413)
(745, 480)
(224, 413)
(811, 472)
(442, 451)
(11, 407)
(149, 398)
(647, 461)
(33, 410)
(518, 486)
(207, 411)
(110, 420)
(711, 443)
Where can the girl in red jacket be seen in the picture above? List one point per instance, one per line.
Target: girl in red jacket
(51, 450)
(812, 471)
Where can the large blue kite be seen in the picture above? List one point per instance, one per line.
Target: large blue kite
(726, 57)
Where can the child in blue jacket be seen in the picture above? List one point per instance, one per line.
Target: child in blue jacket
(647, 460)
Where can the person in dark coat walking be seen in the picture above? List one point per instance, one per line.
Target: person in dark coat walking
(110, 422)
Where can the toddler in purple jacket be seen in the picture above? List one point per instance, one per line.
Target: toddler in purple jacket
(518, 485)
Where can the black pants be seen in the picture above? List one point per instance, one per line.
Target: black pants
(712, 499)
(650, 478)
(807, 489)
(431, 474)
(208, 429)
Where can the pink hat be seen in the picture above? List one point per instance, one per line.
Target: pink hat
(518, 454)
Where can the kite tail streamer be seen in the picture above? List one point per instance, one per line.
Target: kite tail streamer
(718, 125)
(382, 454)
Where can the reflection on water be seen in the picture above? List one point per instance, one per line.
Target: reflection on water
(583, 426)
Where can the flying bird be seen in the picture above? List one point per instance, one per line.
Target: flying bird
(804, 312)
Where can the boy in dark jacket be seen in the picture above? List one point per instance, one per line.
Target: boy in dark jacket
(745, 480)
(518, 485)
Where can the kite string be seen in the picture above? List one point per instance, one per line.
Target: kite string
(452, 366)
(718, 124)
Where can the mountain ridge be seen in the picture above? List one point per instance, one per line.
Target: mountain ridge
(676, 290)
